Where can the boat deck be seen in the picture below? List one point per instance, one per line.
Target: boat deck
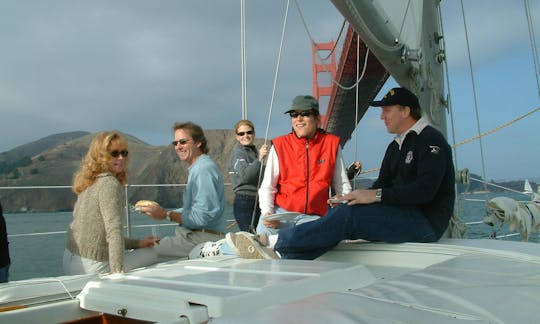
(464, 280)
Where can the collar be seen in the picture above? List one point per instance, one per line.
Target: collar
(418, 127)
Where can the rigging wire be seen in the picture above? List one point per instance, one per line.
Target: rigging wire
(356, 102)
(457, 227)
(478, 128)
(270, 109)
(532, 38)
(404, 18)
(243, 56)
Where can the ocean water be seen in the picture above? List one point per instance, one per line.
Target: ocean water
(35, 254)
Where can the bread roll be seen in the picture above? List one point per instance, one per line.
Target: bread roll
(146, 203)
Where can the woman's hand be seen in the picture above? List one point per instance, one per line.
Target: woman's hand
(263, 152)
(149, 241)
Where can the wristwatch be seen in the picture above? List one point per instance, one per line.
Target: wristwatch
(168, 216)
(378, 195)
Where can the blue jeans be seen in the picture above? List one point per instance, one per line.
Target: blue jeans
(373, 222)
(243, 212)
(4, 273)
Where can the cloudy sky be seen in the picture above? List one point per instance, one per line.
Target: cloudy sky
(139, 66)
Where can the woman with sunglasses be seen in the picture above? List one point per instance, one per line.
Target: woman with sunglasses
(95, 243)
(245, 164)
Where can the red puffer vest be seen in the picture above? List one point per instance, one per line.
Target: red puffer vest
(306, 169)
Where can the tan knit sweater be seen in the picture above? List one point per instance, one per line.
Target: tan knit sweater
(96, 230)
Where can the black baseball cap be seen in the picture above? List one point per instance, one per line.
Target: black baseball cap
(398, 96)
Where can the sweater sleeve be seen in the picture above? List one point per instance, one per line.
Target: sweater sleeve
(268, 189)
(110, 205)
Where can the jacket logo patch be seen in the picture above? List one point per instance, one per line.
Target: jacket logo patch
(434, 149)
(409, 157)
(320, 161)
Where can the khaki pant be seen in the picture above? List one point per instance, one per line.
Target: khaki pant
(183, 242)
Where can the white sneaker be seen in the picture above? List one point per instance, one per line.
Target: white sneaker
(206, 249)
(248, 247)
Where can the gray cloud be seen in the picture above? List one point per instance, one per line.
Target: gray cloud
(138, 66)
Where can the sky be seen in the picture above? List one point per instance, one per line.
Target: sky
(138, 66)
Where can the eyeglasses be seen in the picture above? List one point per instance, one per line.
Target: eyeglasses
(244, 133)
(181, 142)
(116, 153)
(304, 113)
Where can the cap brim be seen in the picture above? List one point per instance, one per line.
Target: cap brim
(379, 103)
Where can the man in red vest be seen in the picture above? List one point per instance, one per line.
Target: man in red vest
(301, 168)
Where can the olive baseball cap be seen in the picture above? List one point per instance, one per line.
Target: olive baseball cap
(301, 103)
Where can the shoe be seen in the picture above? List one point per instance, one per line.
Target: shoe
(248, 247)
(207, 249)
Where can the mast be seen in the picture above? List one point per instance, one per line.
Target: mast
(405, 37)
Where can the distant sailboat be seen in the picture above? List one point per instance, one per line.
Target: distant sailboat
(527, 188)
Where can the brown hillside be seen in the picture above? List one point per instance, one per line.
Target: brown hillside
(149, 165)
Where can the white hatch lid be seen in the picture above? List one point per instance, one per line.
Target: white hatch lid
(222, 285)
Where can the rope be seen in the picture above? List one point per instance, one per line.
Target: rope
(313, 43)
(311, 37)
(513, 121)
(497, 128)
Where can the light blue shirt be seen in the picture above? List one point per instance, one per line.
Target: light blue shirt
(204, 196)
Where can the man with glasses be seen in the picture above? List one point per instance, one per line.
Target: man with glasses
(301, 168)
(202, 216)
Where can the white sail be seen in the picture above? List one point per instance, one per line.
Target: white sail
(527, 188)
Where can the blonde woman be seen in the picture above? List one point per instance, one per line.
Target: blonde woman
(244, 168)
(95, 243)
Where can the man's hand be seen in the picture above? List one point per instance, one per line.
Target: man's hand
(155, 211)
(360, 196)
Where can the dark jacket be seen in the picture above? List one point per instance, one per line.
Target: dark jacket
(244, 167)
(4, 248)
(421, 173)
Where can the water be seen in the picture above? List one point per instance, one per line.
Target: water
(41, 255)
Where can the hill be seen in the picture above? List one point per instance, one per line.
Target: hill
(52, 161)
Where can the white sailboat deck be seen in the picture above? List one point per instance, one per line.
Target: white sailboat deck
(467, 280)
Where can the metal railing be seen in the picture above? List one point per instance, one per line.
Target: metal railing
(129, 209)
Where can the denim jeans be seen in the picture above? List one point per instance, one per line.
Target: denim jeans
(4, 274)
(243, 212)
(373, 222)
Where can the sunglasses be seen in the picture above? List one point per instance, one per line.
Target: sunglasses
(181, 142)
(116, 153)
(304, 113)
(244, 133)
